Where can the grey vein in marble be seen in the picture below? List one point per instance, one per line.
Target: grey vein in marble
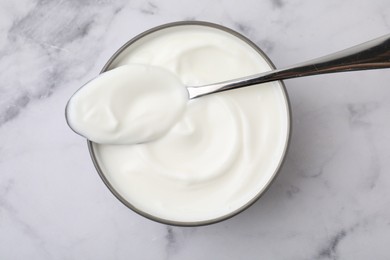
(359, 119)
(358, 113)
(292, 191)
(278, 3)
(48, 33)
(29, 231)
(329, 252)
(171, 245)
(243, 28)
(149, 8)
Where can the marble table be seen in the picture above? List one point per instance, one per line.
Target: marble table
(331, 200)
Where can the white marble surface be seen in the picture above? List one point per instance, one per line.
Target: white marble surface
(330, 201)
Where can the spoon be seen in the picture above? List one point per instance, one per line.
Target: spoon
(90, 111)
(374, 54)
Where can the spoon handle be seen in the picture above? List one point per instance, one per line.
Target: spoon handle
(374, 54)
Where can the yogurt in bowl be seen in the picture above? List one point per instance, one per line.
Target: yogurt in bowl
(226, 148)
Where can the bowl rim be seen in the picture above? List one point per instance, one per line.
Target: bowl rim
(269, 181)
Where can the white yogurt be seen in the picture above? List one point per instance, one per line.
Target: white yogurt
(226, 147)
(127, 105)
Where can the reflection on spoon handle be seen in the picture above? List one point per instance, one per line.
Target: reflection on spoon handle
(374, 54)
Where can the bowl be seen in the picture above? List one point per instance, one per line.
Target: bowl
(116, 59)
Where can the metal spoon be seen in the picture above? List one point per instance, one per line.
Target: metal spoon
(374, 54)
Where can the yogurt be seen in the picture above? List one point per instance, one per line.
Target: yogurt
(225, 148)
(127, 105)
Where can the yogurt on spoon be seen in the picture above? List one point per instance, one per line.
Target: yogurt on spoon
(127, 105)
